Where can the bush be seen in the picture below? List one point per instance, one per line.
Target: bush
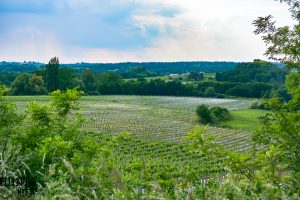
(259, 105)
(219, 114)
(212, 115)
(203, 113)
(254, 105)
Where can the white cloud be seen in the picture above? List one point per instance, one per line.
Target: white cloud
(214, 30)
(136, 30)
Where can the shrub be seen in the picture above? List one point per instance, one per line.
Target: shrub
(212, 115)
(259, 105)
(203, 113)
(219, 114)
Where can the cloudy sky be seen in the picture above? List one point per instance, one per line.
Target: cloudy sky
(134, 30)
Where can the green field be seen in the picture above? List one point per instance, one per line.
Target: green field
(245, 119)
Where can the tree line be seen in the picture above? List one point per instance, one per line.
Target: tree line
(157, 67)
(257, 79)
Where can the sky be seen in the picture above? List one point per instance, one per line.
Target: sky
(134, 30)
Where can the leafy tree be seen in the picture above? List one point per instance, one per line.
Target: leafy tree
(89, 81)
(36, 84)
(203, 113)
(20, 85)
(219, 114)
(8, 117)
(65, 160)
(109, 83)
(280, 130)
(209, 92)
(7, 78)
(52, 70)
(28, 84)
(196, 76)
(212, 115)
(66, 79)
(4, 90)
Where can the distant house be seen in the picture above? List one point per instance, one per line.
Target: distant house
(173, 75)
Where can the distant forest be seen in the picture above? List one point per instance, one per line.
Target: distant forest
(258, 79)
(158, 67)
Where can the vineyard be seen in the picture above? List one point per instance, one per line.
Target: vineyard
(156, 128)
(153, 118)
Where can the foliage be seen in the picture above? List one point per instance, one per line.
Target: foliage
(281, 129)
(4, 90)
(51, 76)
(7, 78)
(219, 114)
(212, 115)
(8, 118)
(257, 71)
(67, 79)
(203, 112)
(65, 103)
(89, 81)
(193, 85)
(49, 136)
(137, 72)
(110, 83)
(209, 92)
(248, 90)
(262, 105)
(196, 76)
(28, 84)
(160, 67)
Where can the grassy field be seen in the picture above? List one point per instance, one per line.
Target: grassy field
(245, 119)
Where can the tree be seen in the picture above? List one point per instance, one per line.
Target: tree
(36, 85)
(196, 76)
(88, 79)
(212, 115)
(280, 130)
(109, 83)
(52, 70)
(28, 84)
(203, 113)
(66, 79)
(209, 92)
(219, 114)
